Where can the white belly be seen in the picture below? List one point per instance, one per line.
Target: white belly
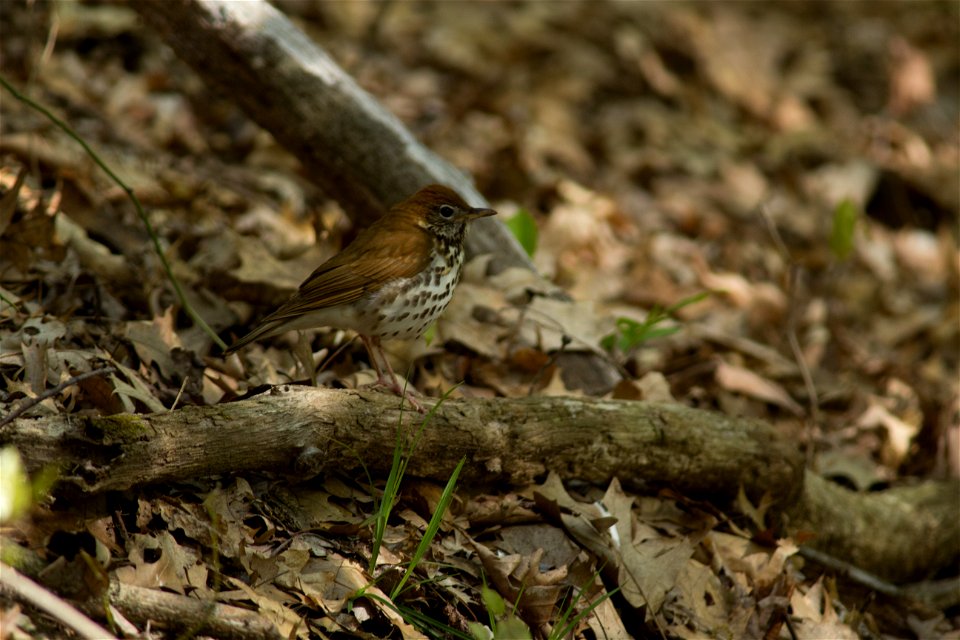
(404, 309)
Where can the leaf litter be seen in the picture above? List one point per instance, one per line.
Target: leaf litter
(658, 162)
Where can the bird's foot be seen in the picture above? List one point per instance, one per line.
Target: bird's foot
(407, 393)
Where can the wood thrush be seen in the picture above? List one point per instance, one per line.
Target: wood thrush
(392, 281)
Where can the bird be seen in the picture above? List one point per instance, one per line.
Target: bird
(392, 282)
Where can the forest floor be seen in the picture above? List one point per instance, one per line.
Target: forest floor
(799, 162)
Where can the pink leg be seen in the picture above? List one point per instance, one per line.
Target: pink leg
(373, 349)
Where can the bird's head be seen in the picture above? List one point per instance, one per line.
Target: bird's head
(442, 211)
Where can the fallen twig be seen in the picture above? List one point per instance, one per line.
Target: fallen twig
(49, 393)
(26, 589)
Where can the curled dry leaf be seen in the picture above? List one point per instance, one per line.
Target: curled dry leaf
(899, 414)
(742, 380)
(818, 618)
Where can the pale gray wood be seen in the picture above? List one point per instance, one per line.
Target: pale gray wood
(356, 150)
(307, 431)
(899, 534)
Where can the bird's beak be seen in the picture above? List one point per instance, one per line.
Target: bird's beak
(480, 213)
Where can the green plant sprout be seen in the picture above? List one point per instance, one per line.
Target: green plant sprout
(423, 622)
(524, 229)
(503, 625)
(432, 528)
(565, 625)
(402, 452)
(630, 334)
(844, 225)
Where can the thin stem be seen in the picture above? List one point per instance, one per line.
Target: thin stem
(136, 203)
(49, 393)
(26, 590)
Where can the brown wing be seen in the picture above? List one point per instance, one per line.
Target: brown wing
(397, 245)
(393, 247)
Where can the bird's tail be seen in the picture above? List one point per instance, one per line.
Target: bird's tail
(263, 330)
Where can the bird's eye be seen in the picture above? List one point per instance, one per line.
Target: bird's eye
(446, 211)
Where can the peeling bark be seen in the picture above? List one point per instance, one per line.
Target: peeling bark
(898, 534)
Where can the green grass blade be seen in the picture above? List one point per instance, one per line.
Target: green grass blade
(178, 290)
(432, 528)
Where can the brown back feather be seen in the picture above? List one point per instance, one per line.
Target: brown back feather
(398, 245)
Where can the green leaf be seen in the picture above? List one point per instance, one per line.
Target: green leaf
(630, 334)
(493, 602)
(697, 297)
(844, 224)
(16, 494)
(480, 631)
(430, 333)
(524, 229)
(512, 628)
(432, 528)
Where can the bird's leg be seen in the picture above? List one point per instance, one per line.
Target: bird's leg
(304, 356)
(373, 348)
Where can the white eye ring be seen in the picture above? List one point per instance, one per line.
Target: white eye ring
(446, 211)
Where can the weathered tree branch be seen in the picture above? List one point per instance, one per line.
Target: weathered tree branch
(901, 534)
(186, 614)
(309, 431)
(306, 431)
(140, 604)
(360, 153)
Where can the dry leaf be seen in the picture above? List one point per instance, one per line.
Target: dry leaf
(742, 380)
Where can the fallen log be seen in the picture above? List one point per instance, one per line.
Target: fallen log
(312, 431)
(304, 432)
